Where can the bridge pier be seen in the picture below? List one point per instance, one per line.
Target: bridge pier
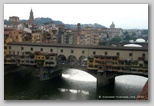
(49, 73)
(105, 78)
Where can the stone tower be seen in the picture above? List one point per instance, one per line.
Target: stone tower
(31, 17)
(112, 26)
(78, 28)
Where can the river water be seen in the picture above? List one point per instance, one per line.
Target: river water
(73, 85)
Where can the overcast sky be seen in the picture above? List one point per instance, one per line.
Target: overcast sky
(126, 16)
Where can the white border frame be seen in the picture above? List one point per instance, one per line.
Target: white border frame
(150, 102)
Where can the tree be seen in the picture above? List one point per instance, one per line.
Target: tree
(116, 40)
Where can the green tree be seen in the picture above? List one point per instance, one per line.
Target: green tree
(116, 39)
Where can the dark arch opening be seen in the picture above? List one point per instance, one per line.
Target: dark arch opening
(72, 60)
(82, 60)
(61, 59)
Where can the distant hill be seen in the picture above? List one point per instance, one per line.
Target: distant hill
(42, 20)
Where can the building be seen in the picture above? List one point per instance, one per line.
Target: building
(124, 53)
(25, 27)
(46, 59)
(114, 63)
(36, 37)
(112, 26)
(31, 18)
(60, 34)
(68, 37)
(6, 41)
(16, 35)
(13, 22)
(14, 19)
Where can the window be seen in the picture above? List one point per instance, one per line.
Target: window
(22, 48)
(118, 54)
(130, 54)
(5, 47)
(31, 61)
(94, 52)
(143, 55)
(82, 51)
(61, 50)
(10, 52)
(31, 49)
(9, 47)
(16, 37)
(18, 52)
(51, 62)
(51, 50)
(22, 53)
(72, 51)
(105, 53)
(41, 49)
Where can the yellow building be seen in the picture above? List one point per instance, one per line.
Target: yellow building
(45, 59)
(36, 37)
(6, 41)
(39, 58)
(113, 63)
(16, 36)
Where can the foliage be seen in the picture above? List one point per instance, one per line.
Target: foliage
(144, 32)
(116, 40)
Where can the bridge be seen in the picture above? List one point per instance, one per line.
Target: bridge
(104, 78)
(77, 52)
(105, 63)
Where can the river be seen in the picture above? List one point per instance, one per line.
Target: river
(73, 85)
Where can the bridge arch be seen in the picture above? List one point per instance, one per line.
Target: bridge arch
(61, 58)
(78, 75)
(71, 60)
(81, 58)
(133, 74)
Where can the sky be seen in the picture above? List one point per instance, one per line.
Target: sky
(125, 16)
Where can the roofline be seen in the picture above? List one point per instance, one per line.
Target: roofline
(77, 46)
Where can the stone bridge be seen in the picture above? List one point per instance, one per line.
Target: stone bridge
(104, 78)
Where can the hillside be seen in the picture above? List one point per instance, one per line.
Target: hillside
(42, 20)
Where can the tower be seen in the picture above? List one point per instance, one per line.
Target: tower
(31, 17)
(78, 28)
(112, 26)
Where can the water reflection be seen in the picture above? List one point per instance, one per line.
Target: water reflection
(129, 85)
(74, 91)
(73, 85)
(79, 75)
(131, 80)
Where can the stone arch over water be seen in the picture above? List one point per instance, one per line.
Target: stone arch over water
(61, 58)
(72, 60)
(81, 58)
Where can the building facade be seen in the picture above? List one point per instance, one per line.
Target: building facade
(124, 53)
